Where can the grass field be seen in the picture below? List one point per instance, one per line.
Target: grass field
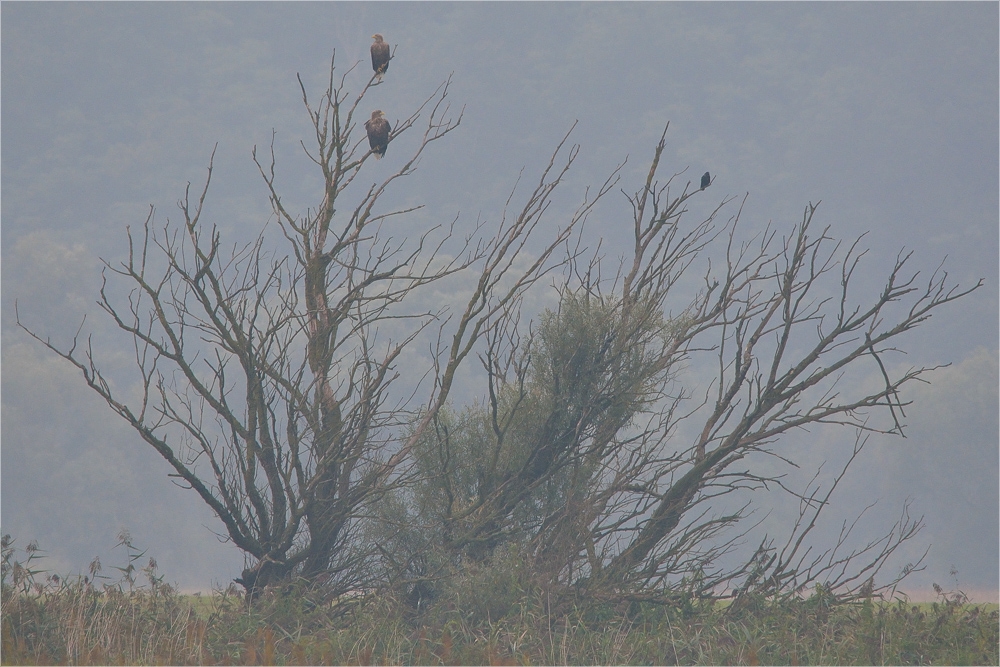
(98, 620)
(78, 623)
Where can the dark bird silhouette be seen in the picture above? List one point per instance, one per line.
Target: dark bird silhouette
(378, 133)
(380, 56)
(706, 181)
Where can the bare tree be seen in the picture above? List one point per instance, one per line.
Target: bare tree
(267, 377)
(784, 339)
(576, 453)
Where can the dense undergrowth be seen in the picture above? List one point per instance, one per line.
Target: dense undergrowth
(481, 620)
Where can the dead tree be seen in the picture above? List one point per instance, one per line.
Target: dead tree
(267, 376)
(575, 455)
(784, 337)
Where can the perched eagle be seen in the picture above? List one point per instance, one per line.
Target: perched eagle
(706, 180)
(378, 133)
(380, 56)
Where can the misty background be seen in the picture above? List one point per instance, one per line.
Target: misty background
(888, 113)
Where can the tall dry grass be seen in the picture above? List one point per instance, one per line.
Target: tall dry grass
(133, 617)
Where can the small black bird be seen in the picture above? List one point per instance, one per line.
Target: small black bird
(706, 180)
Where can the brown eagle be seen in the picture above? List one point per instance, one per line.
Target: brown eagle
(378, 133)
(380, 56)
